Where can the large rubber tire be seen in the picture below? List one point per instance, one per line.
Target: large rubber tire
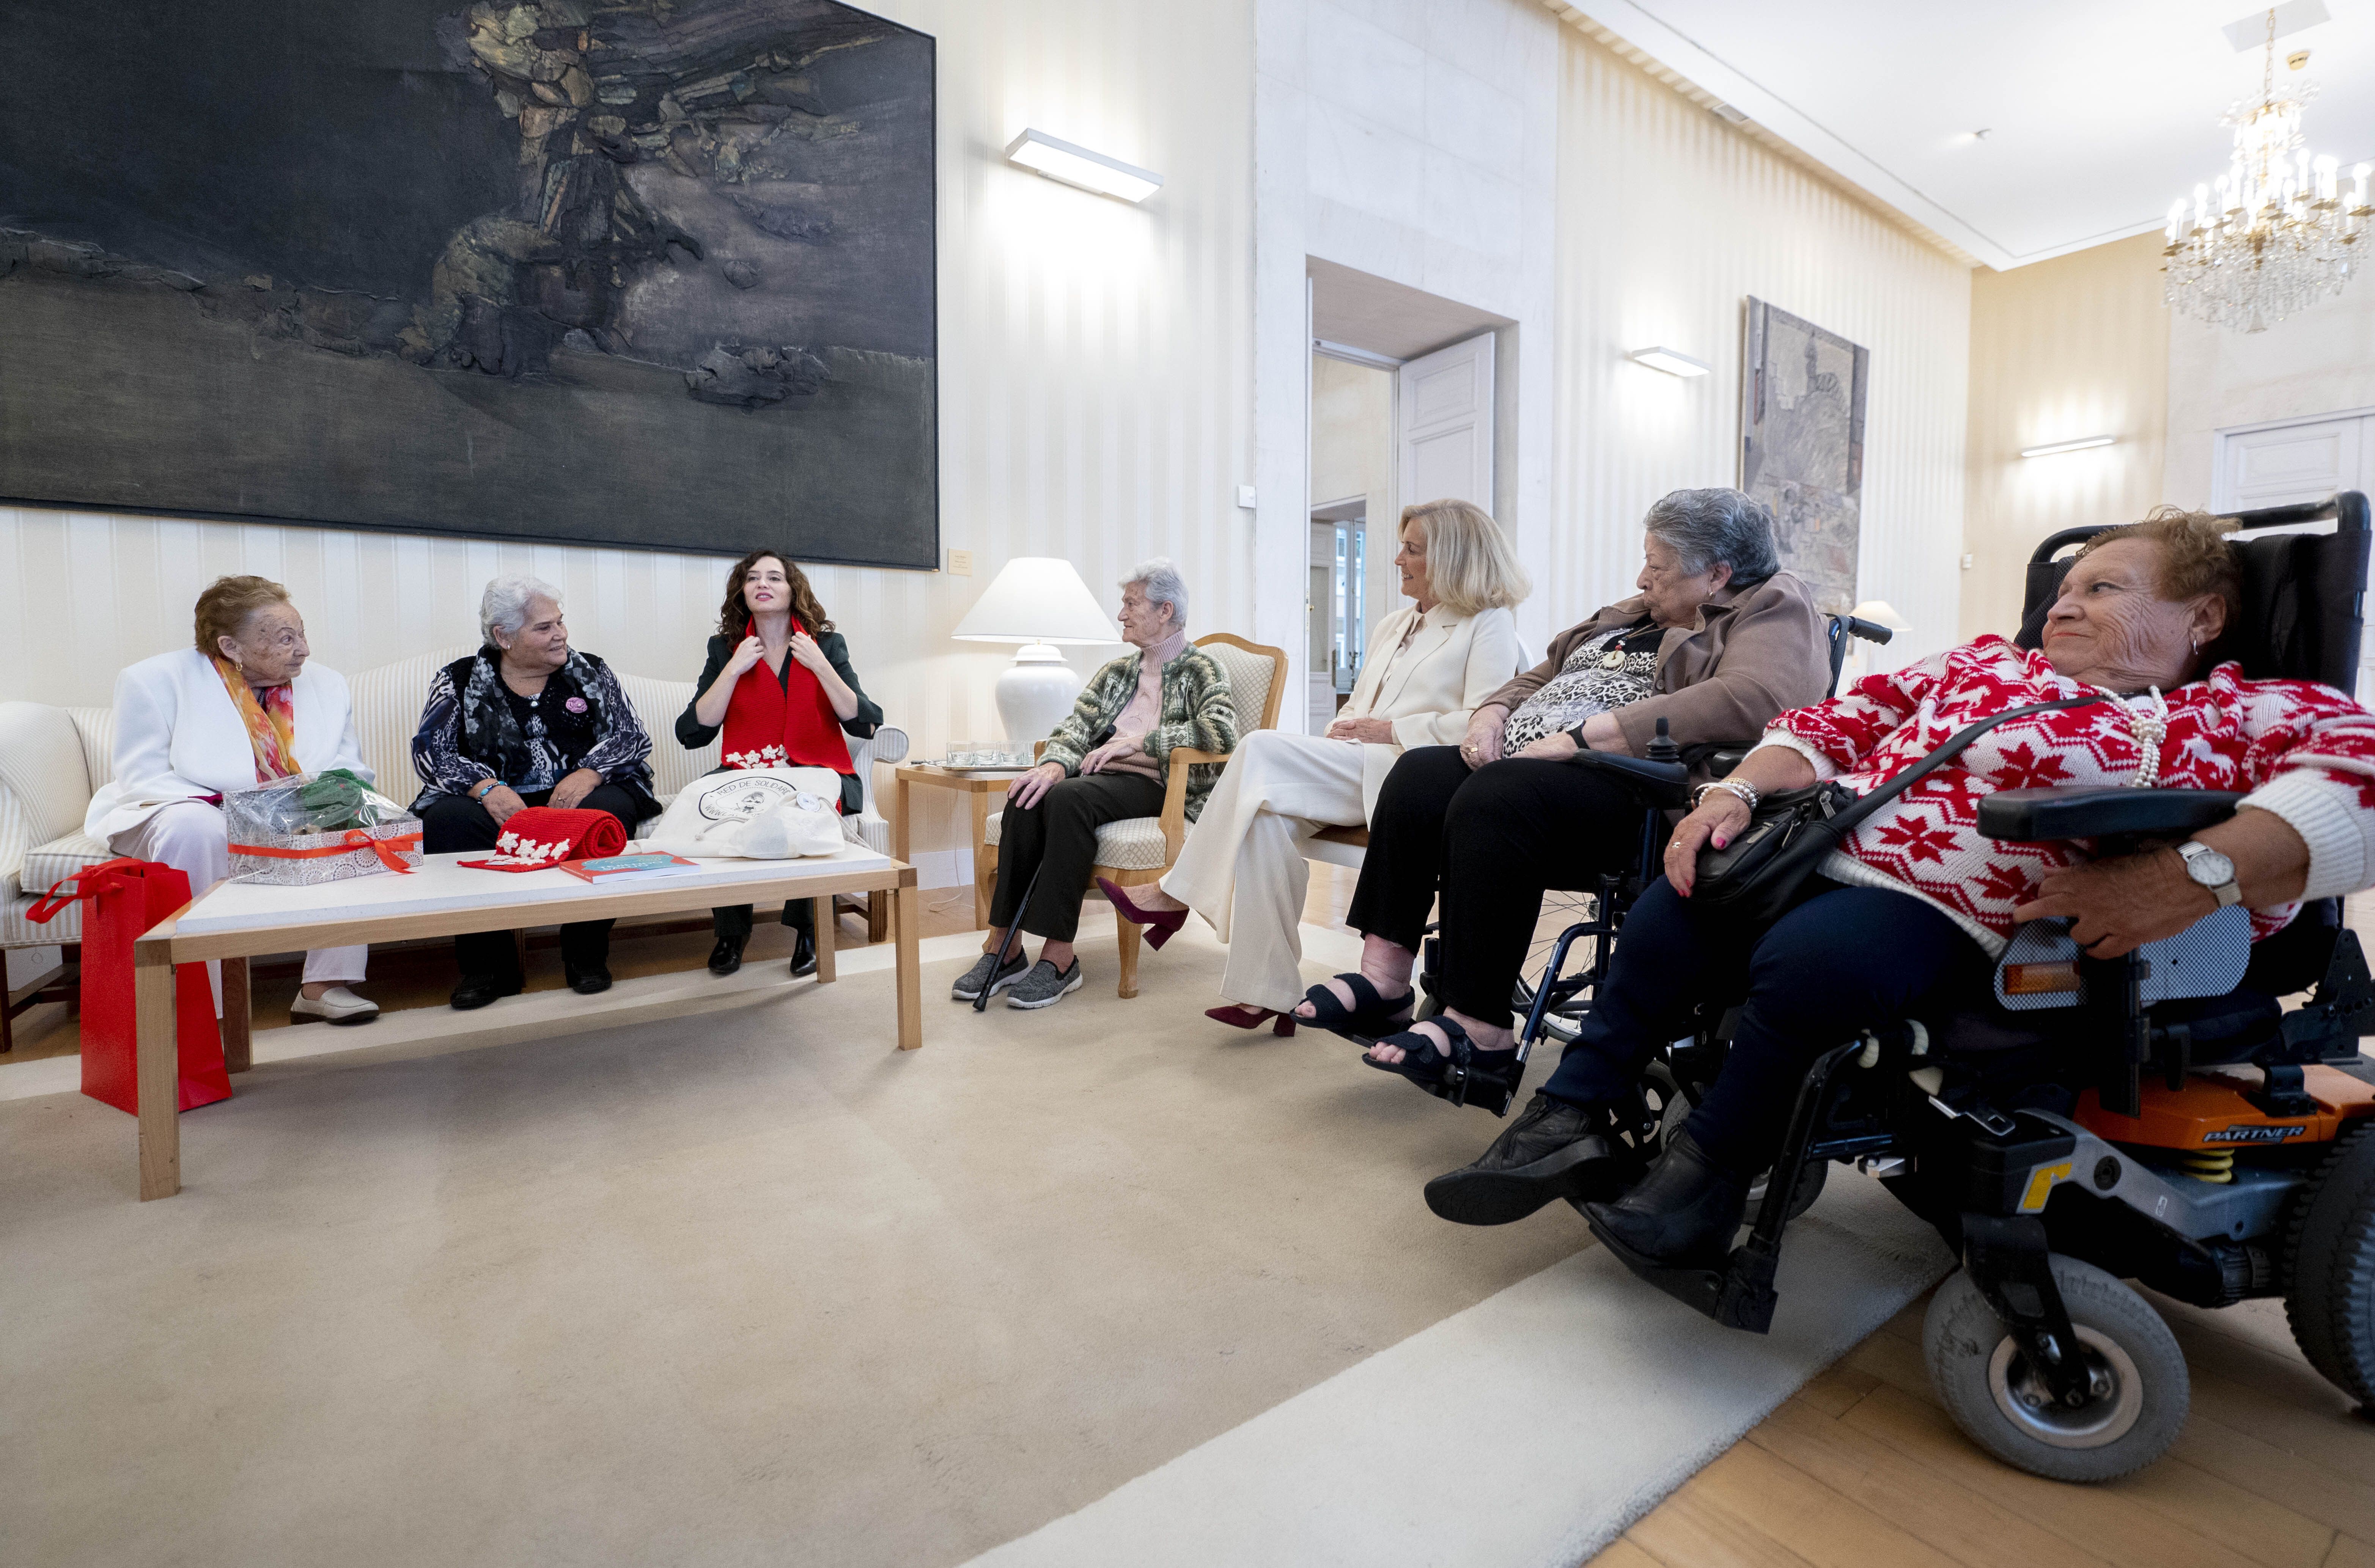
(1978, 1373)
(2330, 1268)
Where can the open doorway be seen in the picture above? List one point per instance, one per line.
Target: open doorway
(1404, 392)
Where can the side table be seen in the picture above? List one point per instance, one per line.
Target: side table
(977, 790)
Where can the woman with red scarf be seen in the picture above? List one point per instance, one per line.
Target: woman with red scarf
(778, 683)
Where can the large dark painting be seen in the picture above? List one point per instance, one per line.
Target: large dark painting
(1803, 394)
(653, 273)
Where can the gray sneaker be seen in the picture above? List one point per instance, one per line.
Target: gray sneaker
(1044, 987)
(987, 973)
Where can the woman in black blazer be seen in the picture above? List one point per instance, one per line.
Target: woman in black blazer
(778, 683)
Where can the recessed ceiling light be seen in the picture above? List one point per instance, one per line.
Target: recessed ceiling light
(1673, 361)
(2081, 444)
(1076, 165)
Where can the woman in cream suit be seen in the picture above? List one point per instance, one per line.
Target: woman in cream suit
(240, 709)
(1430, 663)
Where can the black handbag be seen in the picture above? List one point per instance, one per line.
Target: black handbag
(1790, 833)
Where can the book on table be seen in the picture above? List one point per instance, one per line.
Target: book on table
(608, 867)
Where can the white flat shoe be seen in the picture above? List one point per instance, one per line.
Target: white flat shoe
(337, 1005)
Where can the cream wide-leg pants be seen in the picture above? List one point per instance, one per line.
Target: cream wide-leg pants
(1242, 865)
(189, 836)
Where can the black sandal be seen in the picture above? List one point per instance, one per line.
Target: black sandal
(1460, 1074)
(1374, 1015)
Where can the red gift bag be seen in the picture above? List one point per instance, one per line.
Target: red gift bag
(126, 897)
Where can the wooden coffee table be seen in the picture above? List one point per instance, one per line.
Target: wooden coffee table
(235, 920)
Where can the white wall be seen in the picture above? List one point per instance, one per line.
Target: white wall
(1096, 403)
(1414, 140)
(2320, 361)
(1667, 218)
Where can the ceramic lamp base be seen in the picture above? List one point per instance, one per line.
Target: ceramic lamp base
(1034, 693)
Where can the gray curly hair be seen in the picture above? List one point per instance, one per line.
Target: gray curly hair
(1703, 527)
(503, 607)
(1160, 577)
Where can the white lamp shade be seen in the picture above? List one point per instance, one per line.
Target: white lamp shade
(1037, 598)
(1880, 612)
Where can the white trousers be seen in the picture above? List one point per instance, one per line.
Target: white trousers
(189, 836)
(1242, 868)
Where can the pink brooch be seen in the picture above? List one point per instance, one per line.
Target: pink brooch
(575, 705)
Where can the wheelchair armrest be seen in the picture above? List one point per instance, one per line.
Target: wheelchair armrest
(1719, 760)
(2094, 811)
(1657, 784)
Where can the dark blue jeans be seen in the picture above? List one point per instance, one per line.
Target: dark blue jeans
(1844, 960)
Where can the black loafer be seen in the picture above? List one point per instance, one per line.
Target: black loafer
(478, 990)
(804, 956)
(726, 956)
(589, 981)
(1553, 1150)
(1686, 1210)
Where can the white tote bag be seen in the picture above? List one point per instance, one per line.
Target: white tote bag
(754, 814)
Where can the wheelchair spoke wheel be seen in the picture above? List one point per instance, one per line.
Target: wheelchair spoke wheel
(2329, 1269)
(2138, 1390)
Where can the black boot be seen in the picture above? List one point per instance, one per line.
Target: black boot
(804, 954)
(1555, 1148)
(726, 956)
(1685, 1210)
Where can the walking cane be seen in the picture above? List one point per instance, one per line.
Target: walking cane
(1014, 926)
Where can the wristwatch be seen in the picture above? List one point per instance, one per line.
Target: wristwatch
(2211, 870)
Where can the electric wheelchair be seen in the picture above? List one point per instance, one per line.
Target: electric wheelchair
(2160, 1117)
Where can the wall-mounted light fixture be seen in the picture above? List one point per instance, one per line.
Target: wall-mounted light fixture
(2081, 444)
(1075, 165)
(1671, 360)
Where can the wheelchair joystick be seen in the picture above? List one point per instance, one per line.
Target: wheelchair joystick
(1663, 748)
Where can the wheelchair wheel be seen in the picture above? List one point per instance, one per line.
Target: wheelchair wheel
(2328, 1268)
(2140, 1387)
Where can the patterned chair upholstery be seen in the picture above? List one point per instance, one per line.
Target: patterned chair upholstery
(1138, 850)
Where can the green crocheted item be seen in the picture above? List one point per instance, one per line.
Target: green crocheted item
(336, 800)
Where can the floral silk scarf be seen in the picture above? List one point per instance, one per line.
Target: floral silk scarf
(271, 720)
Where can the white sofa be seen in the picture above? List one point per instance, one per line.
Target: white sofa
(52, 760)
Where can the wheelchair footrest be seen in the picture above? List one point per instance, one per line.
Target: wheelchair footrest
(1739, 1294)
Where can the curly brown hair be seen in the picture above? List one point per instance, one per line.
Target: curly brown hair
(2194, 558)
(224, 607)
(734, 615)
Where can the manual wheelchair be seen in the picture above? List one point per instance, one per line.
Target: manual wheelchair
(2159, 1117)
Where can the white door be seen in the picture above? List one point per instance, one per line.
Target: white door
(1443, 417)
(2306, 460)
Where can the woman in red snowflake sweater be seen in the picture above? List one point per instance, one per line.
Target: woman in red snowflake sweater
(1911, 912)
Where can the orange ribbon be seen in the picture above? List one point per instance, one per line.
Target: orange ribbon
(356, 839)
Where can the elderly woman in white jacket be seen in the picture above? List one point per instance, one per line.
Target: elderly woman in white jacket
(240, 709)
(1430, 663)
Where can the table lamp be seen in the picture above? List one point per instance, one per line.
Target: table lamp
(1037, 601)
(1880, 612)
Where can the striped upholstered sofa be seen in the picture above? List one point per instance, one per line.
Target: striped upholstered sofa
(52, 760)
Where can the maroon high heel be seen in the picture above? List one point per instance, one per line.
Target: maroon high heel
(1246, 1016)
(1160, 924)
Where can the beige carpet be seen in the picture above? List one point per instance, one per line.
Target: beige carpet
(748, 1287)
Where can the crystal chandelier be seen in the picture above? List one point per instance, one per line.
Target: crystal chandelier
(2275, 235)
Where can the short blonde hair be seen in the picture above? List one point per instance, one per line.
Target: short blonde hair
(1469, 561)
(224, 607)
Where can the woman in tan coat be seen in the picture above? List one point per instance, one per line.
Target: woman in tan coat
(1718, 641)
(1431, 662)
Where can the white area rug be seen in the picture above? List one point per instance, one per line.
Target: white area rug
(1530, 1428)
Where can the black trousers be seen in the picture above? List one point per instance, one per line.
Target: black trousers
(455, 824)
(1844, 960)
(1057, 839)
(1491, 841)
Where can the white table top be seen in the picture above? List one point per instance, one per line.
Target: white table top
(441, 884)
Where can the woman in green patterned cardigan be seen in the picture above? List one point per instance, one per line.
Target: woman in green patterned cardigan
(1106, 762)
